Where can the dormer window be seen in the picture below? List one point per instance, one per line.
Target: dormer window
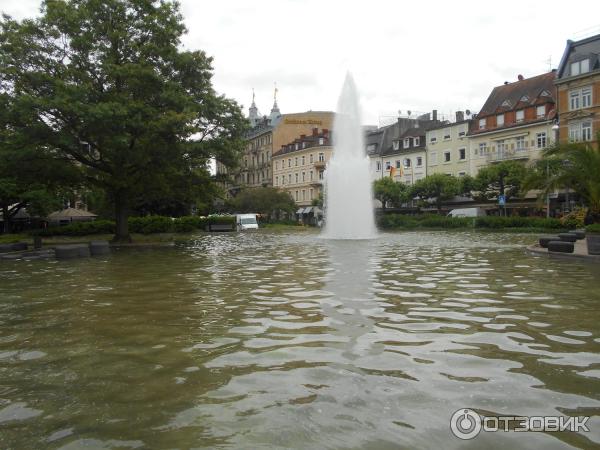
(545, 93)
(396, 145)
(321, 141)
(482, 123)
(579, 67)
(506, 104)
(520, 115)
(417, 141)
(525, 98)
(406, 142)
(500, 120)
(446, 137)
(540, 111)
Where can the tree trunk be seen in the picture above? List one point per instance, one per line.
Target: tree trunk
(121, 216)
(6, 218)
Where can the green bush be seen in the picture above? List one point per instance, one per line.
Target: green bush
(221, 220)
(79, 229)
(150, 224)
(594, 228)
(392, 221)
(189, 223)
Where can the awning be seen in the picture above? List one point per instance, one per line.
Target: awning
(299, 210)
(318, 211)
(307, 210)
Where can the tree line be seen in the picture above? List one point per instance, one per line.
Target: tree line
(100, 100)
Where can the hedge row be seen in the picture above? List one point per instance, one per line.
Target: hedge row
(394, 221)
(143, 225)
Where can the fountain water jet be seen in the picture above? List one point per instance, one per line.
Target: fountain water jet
(348, 190)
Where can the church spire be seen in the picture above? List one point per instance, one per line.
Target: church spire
(275, 114)
(253, 116)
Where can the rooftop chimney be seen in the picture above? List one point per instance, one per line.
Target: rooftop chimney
(460, 116)
(520, 77)
(434, 114)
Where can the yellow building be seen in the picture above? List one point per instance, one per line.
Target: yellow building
(448, 148)
(299, 165)
(267, 135)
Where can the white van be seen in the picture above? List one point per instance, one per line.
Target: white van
(467, 212)
(246, 222)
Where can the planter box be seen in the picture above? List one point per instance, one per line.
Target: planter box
(593, 243)
(221, 227)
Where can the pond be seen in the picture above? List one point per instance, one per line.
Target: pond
(285, 340)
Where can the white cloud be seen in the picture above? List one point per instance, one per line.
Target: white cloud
(404, 56)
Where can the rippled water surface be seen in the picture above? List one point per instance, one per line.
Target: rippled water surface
(285, 340)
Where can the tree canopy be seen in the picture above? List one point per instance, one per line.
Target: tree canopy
(107, 87)
(263, 200)
(504, 178)
(387, 191)
(437, 187)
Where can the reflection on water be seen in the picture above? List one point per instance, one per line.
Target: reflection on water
(270, 340)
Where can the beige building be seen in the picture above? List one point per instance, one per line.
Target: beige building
(448, 148)
(299, 165)
(515, 122)
(266, 135)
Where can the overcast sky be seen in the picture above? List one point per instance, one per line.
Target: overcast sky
(404, 56)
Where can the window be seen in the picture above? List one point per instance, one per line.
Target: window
(446, 156)
(417, 141)
(433, 159)
(482, 124)
(310, 158)
(303, 194)
(501, 146)
(303, 144)
(520, 143)
(580, 131)
(276, 181)
(520, 116)
(433, 138)
(321, 141)
(525, 98)
(378, 166)
(289, 178)
(296, 146)
(540, 111)
(396, 145)
(398, 162)
(462, 153)
(303, 176)
(303, 160)
(296, 195)
(406, 142)
(462, 133)
(290, 162)
(462, 174)
(388, 165)
(482, 148)
(407, 163)
(580, 98)
(371, 147)
(296, 176)
(507, 104)
(321, 174)
(579, 67)
(311, 194)
(499, 120)
(296, 161)
(311, 175)
(447, 137)
(321, 157)
(540, 139)
(419, 161)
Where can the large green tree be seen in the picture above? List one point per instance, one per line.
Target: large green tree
(387, 191)
(437, 187)
(106, 85)
(504, 178)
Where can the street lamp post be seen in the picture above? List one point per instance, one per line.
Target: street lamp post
(555, 129)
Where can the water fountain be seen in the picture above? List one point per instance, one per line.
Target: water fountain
(348, 191)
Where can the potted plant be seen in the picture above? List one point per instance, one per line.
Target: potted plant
(593, 238)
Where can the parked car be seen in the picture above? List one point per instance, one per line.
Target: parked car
(467, 212)
(246, 222)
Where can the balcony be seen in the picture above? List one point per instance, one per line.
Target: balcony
(506, 155)
(320, 164)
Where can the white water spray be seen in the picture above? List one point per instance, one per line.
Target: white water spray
(348, 190)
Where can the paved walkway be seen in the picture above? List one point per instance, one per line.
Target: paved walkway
(579, 252)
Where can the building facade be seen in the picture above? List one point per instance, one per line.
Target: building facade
(266, 135)
(578, 86)
(399, 149)
(299, 166)
(448, 148)
(515, 123)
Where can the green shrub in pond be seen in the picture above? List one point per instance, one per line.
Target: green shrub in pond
(189, 223)
(150, 224)
(400, 221)
(222, 220)
(79, 229)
